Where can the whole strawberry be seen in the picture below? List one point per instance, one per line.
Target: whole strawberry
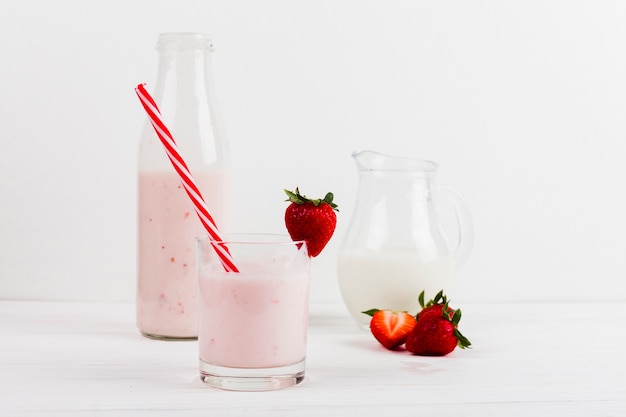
(311, 220)
(436, 332)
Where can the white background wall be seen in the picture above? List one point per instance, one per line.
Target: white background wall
(523, 104)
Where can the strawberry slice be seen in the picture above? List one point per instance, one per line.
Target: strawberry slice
(389, 327)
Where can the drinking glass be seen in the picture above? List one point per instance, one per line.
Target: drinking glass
(253, 323)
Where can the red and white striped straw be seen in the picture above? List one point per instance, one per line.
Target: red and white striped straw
(187, 180)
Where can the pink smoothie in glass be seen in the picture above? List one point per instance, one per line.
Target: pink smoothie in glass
(167, 294)
(253, 320)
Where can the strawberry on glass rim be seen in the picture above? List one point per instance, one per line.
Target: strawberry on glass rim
(311, 220)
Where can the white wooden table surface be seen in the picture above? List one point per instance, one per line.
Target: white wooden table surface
(82, 359)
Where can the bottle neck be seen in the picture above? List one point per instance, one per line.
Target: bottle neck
(184, 94)
(184, 68)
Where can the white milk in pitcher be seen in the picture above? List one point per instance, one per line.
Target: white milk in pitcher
(390, 280)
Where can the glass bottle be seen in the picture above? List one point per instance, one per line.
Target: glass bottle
(167, 294)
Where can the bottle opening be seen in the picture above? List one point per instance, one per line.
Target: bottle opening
(184, 39)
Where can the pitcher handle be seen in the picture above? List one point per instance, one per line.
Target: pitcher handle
(464, 222)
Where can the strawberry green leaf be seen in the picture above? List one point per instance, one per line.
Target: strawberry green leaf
(439, 297)
(371, 312)
(462, 341)
(456, 318)
(296, 197)
(329, 200)
(293, 197)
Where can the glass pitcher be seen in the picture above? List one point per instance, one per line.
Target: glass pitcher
(395, 246)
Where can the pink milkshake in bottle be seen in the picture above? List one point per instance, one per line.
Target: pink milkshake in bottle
(167, 293)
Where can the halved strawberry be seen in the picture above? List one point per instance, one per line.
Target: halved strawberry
(390, 328)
